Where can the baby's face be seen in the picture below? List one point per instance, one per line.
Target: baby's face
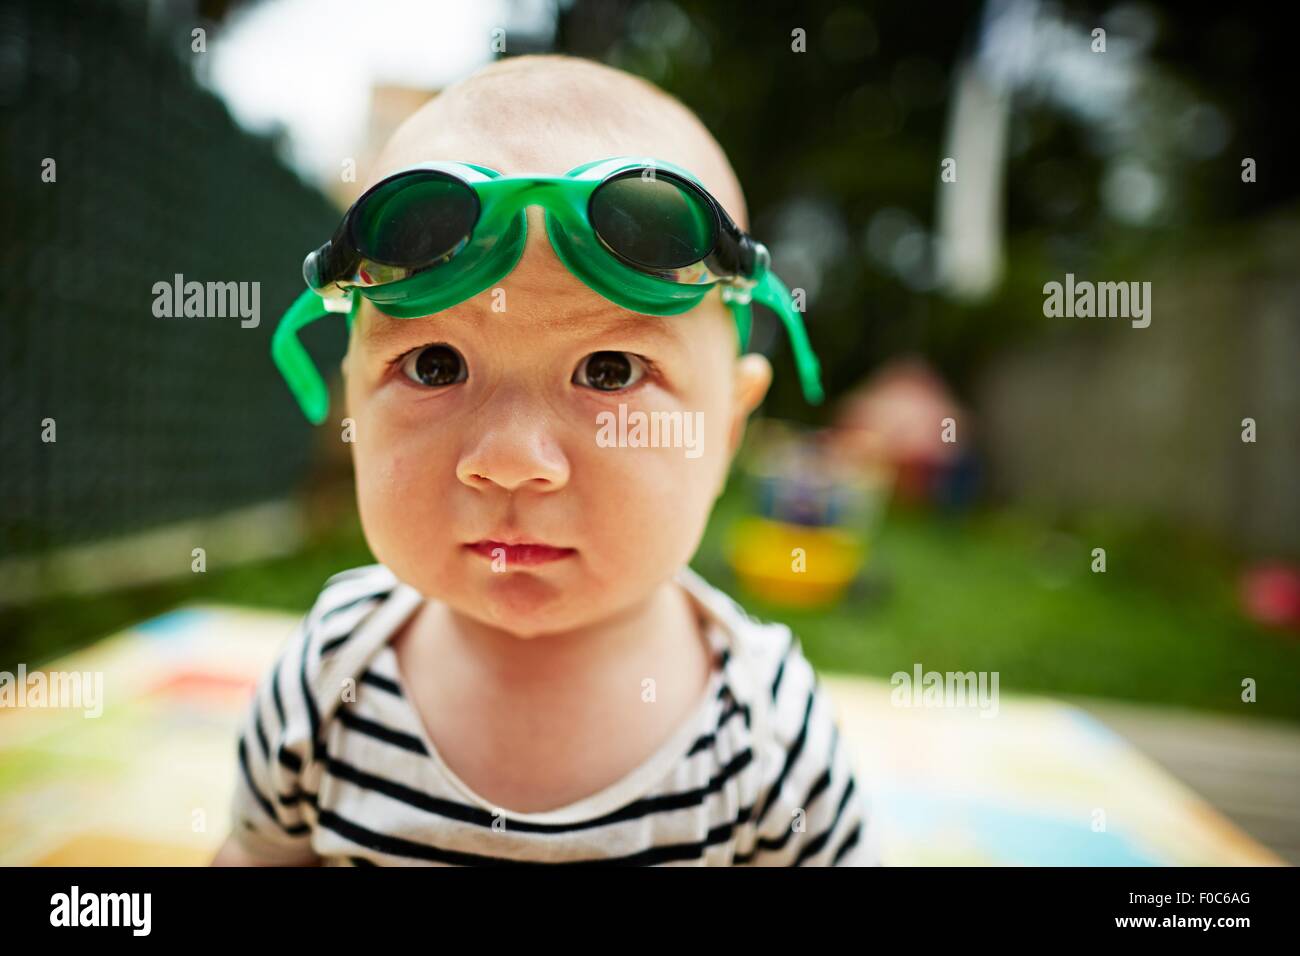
(494, 470)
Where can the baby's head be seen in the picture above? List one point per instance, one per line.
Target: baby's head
(497, 423)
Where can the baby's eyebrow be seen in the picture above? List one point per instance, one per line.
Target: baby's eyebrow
(380, 333)
(625, 324)
(383, 333)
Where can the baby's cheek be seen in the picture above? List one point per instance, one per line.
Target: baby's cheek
(656, 499)
(397, 494)
(374, 505)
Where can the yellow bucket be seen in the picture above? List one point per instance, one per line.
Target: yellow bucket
(793, 564)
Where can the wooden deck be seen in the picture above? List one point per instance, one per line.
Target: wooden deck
(1247, 768)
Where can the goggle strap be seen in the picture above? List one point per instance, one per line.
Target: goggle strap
(743, 316)
(293, 361)
(772, 292)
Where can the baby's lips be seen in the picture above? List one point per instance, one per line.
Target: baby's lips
(521, 554)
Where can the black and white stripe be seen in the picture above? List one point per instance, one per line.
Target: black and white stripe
(359, 784)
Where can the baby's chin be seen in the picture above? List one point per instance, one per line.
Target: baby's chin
(526, 604)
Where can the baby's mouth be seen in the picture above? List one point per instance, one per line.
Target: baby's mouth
(521, 553)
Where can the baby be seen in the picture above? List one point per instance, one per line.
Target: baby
(531, 673)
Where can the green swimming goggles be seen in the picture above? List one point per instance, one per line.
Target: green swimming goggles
(643, 233)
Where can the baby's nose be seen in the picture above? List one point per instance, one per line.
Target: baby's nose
(514, 453)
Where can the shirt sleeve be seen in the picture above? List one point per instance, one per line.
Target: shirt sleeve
(268, 810)
(813, 810)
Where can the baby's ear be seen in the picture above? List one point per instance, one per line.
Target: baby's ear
(751, 380)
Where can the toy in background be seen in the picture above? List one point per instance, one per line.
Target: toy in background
(1270, 595)
(814, 511)
(818, 495)
(905, 418)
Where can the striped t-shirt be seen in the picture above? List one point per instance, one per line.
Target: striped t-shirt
(335, 765)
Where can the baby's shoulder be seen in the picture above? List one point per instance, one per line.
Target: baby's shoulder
(345, 601)
(769, 648)
(322, 652)
(780, 684)
(783, 675)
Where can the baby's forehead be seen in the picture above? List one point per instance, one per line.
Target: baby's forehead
(552, 320)
(531, 147)
(551, 126)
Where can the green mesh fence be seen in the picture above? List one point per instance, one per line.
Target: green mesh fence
(155, 419)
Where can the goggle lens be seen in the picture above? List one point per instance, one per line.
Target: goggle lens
(654, 222)
(415, 219)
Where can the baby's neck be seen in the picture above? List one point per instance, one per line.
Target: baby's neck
(667, 618)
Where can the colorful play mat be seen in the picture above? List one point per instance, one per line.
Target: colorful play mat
(149, 781)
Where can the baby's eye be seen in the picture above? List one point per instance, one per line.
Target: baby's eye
(435, 366)
(609, 371)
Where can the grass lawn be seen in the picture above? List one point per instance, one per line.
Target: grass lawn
(996, 592)
(991, 591)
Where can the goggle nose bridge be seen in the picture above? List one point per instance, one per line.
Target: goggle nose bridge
(555, 194)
